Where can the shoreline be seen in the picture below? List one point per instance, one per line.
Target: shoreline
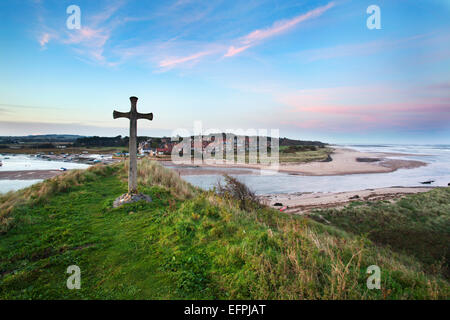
(343, 161)
(348, 161)
(29, 174)
(302, 203)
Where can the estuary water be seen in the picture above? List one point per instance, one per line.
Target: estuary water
(436, 156)
(26, 162)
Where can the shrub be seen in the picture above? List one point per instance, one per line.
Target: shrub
(237, 190)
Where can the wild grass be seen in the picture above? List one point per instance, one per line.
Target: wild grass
(40, 193)
(149, 172)
(304, 154)
(418, 225)
(204, 246)
(212, 249)
(152, 173)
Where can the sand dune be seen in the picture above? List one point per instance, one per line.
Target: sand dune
(344, 161)
(304, 202)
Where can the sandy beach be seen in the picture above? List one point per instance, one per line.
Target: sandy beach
(344, 161)
(300, 203)
(347, 161)
(29, 174)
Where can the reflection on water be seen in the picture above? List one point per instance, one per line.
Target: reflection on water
(14, 185)
(438, 169)
(25, 162)
(437, 157)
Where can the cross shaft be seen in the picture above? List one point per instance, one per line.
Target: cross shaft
(133, 115)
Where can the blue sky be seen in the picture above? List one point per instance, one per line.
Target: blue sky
(309, 68)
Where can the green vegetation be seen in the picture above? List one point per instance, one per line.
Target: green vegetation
(304, 153)
(233, 188)
(418, 225)
(185, 244)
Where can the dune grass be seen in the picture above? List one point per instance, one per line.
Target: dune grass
(418, 225)
(306, 154)
(186, 244)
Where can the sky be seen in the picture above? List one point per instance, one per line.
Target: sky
(312, 69)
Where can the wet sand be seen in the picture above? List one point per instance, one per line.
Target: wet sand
(347, 161)
(29, 174)
(188, 171)
(300, 203)
(344, 161)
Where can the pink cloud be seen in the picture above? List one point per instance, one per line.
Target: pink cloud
(419, 107)
(102, 16)
(169, 63)
(90, 40)
(375, 107)
(248, 40)
(89, 37)
(282, 26)
(44, 39)
(233, 51)
(278, 27)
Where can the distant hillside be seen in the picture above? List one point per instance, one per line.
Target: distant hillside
(39, 138)
(292, 142)
(119, 141)
(186, 244)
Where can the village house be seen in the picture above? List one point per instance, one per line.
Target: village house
(163, 148)
(145, 148)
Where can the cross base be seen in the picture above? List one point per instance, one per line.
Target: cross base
(131, 198)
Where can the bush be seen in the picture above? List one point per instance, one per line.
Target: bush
(237, 190)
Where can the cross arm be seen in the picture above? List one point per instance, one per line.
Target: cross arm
(117, 114)
(148, 116)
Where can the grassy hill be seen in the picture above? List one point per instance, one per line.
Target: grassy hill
(417, 225)
(185, 244)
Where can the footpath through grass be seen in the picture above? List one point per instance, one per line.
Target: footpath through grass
(186, 244)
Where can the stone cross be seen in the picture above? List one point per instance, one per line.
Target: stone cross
(133, 115)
